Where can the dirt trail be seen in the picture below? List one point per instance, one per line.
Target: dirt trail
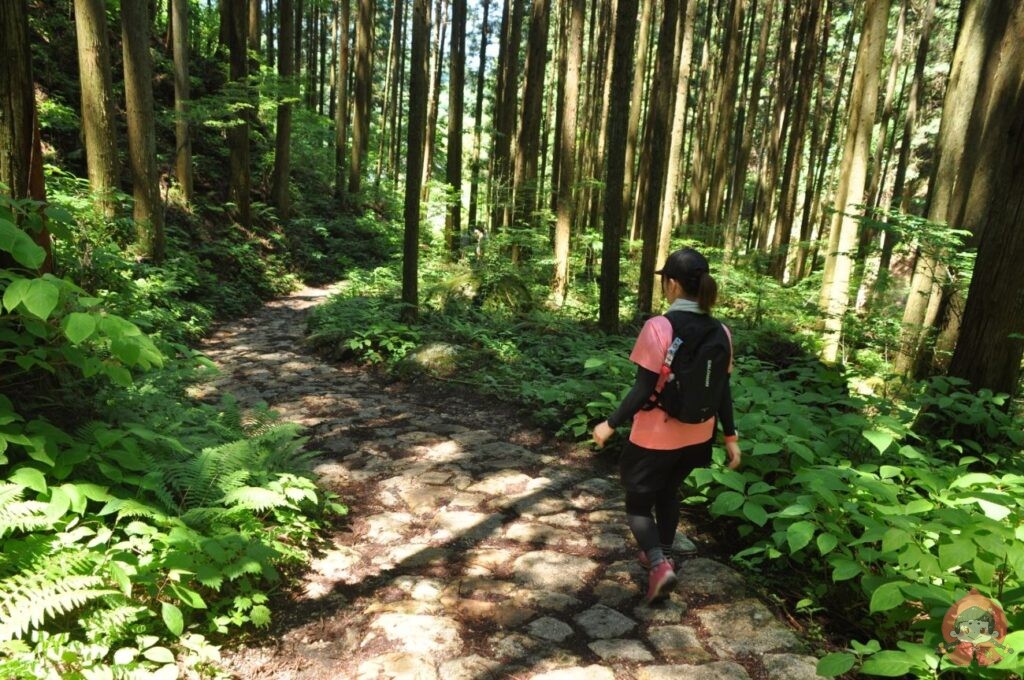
(477, 547)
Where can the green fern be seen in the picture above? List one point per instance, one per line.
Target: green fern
(27, 600)
(17, 515)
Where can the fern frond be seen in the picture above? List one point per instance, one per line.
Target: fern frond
(117, 622)
(27, 600)
(256, 498)
(18, 515)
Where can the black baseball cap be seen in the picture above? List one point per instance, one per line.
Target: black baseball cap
(685, 265)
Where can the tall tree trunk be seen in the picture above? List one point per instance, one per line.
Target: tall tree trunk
(618, 129)
(636, 101)
(658, 115)
(478, 112)
(434, 98)
(182, 136)
(810, 27)
(991, 343)
(863, 102)
(282, 145)
(956, 136)
(505, 109)
(297, 53)
(390, 88)
(322, 95)
(525, 179)
(677, 136)
(567, 150)
(728, 84)
(396, 118)
(456, 98)
(876, 177)
(341, 109)
(98, 124)
(312, 52)
(271, 15)
(363, 85)
(238, 134)
(21, 162)
(414, 156)
(138, 90)
(254, 25)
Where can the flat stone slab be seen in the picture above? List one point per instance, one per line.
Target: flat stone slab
(549, 628)
(437, 636)
(465, 524)
(593, 672)
(604, 622)
(501, 483)
(702, 577)
(621, 650)
(614, 594)
(790, 667)
(469, 668)
(678, 643)
(667, 611)
(550, 570)
(397, 666)
(719, 670)
(543, 534)
(745, 627)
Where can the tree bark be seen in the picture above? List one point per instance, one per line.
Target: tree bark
(138, 86)
(390, 88)
(280, 195)
(728, 84)
(456, 98)
(396, 118)
(863, 102)
(182, 136)
(618, 128)
(478, 112)
(636, 102)
(254, 25)
(567, 149)
(505, 109)
(658, 129)
(414, 156)
(341, 108)
(991, 342)
(98, 123)
(238, 134)
(271, 56)
(363, 85)
(434, 98)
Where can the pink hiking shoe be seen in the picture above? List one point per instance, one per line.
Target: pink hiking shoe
(660, 582)
(646, 563)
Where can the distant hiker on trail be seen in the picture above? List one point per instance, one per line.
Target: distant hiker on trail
(683, 359)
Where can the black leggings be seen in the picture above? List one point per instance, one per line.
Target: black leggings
(647, 499)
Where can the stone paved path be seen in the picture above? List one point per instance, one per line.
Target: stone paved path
(477, 548)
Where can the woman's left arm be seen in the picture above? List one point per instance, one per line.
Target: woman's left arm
(727, 419)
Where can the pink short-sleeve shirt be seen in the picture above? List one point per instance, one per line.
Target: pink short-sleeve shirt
(655, 429)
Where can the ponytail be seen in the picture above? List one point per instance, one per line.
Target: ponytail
(707, 292)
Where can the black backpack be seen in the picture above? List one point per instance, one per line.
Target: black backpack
(697, 364)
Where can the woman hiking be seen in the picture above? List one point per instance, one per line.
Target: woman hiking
(663, 449)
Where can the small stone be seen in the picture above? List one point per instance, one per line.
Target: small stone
(506, 614)
(481, 588)
(593, 672)
(626, 571)
(620, 650)
(603, 622)
(548, 628)
(790, 667)
(666, 611)
(550, 570)
(745, 627)
(514, 646)
(678, 643)
(614, 594)
(547, 600)
(610, 542)
(719, 670)
(502, 483)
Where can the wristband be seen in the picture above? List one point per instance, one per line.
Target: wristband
(729, 438)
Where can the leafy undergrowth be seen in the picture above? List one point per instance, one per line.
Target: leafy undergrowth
(137, 526)
(885, 508)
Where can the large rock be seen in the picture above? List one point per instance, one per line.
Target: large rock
(702, 577)
(678, 643)
(437, 636)
(397, 666)
(593, 672)
(621, 650)
(551, 629)
(745, 627)
(470, 668)
(436, 359)
(720, 670)
(550, 570)
(790, 667)
(603, 622)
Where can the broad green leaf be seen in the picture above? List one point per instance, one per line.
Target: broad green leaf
(795, 510)
(755, 513)
(993, 510)
(826, 543)
(888, 664)
(887, 596)
(30, 477)
(159, 655)
(835, 664)
(730, 478)
(594, 362)
(844, 569)
(15, 293)
(958, 551)
(894, 539)
(172, 617)
(766, 448)
(119, 575)
(889, 471)
(59, 504)
(727, 502)
(799, 534)
(880, 440)
(125, 655)
(79, 326)
(41, 298)
(20, 245)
